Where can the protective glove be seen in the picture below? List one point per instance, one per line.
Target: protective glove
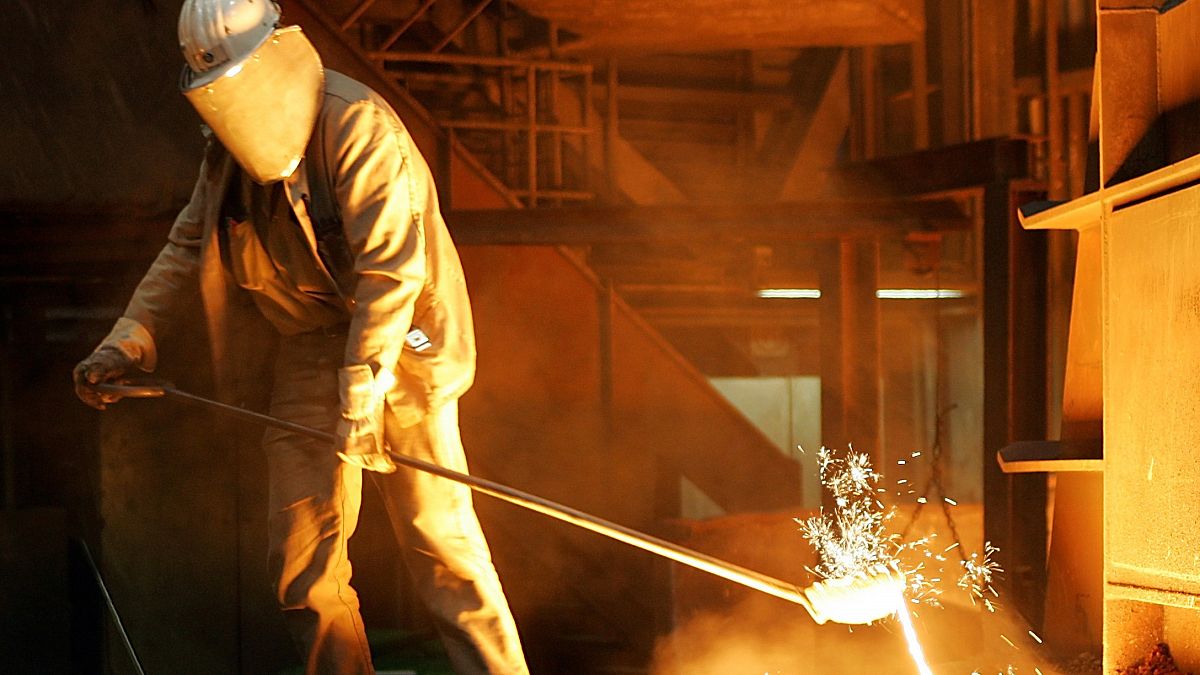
(362, 394)
(106, 364)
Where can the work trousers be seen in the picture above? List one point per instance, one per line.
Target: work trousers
(314, 505)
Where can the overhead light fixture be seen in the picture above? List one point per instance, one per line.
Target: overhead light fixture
(790, 293)
(882, 294)
(918, 293)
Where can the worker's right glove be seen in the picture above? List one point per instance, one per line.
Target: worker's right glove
(362, 394)
(106, 364)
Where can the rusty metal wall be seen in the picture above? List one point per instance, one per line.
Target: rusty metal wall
(1152, 428)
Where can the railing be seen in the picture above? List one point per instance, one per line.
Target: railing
(508, 110)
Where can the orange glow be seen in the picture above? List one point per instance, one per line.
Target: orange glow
(856, 600)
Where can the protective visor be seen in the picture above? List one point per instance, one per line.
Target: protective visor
(263, 107)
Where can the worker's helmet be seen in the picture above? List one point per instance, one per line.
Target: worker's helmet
(258, 86)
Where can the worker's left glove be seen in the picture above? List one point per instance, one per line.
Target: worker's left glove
(106, 364)
(360, 430)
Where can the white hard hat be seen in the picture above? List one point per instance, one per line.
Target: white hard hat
(216, 35)
(258, 86)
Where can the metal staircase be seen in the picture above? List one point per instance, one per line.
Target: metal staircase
(462, 61)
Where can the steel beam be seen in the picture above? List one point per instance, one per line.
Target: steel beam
(849, 347)
(1129, 105)
(944, 169)
(991, 66)
(798, 221)
(1014, 393)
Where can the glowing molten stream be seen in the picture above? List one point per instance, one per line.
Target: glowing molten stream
(866, 599)
(910, 635)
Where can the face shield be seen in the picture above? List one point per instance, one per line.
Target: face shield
(263, 107)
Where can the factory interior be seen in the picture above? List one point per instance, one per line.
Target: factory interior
(711, 247)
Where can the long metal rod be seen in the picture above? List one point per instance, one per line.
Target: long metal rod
(112, 608)
(556, 139)
(531, 137)
(481, 61)
(532, 126)
(680, 554)
(558, 194)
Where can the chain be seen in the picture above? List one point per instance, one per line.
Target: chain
(934, 485)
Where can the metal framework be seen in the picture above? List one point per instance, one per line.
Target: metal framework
(507, 109)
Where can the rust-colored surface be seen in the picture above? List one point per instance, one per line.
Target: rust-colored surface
(1082, 389)
(1075, 566)
(1147, 122)
(732, 24)
(1152, 426)
(1179, 80)
(1128, 50)
(1158, 662)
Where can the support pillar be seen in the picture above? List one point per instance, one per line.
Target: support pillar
(850, 363)
(1014, 393)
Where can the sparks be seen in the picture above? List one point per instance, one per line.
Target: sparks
(853, 537)
(850, 535)
(978, 572)
(1035, 637)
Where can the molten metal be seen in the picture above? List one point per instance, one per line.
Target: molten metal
(910, 636)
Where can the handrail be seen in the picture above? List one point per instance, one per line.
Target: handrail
(542, 134)
(479, 60)
(401, 98)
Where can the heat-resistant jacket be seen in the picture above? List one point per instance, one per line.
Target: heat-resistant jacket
(406, 271)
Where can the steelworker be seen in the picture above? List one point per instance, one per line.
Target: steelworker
(314, 226)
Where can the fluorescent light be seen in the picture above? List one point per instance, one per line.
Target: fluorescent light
(882, 294)
(790, 293)
(917, 293)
